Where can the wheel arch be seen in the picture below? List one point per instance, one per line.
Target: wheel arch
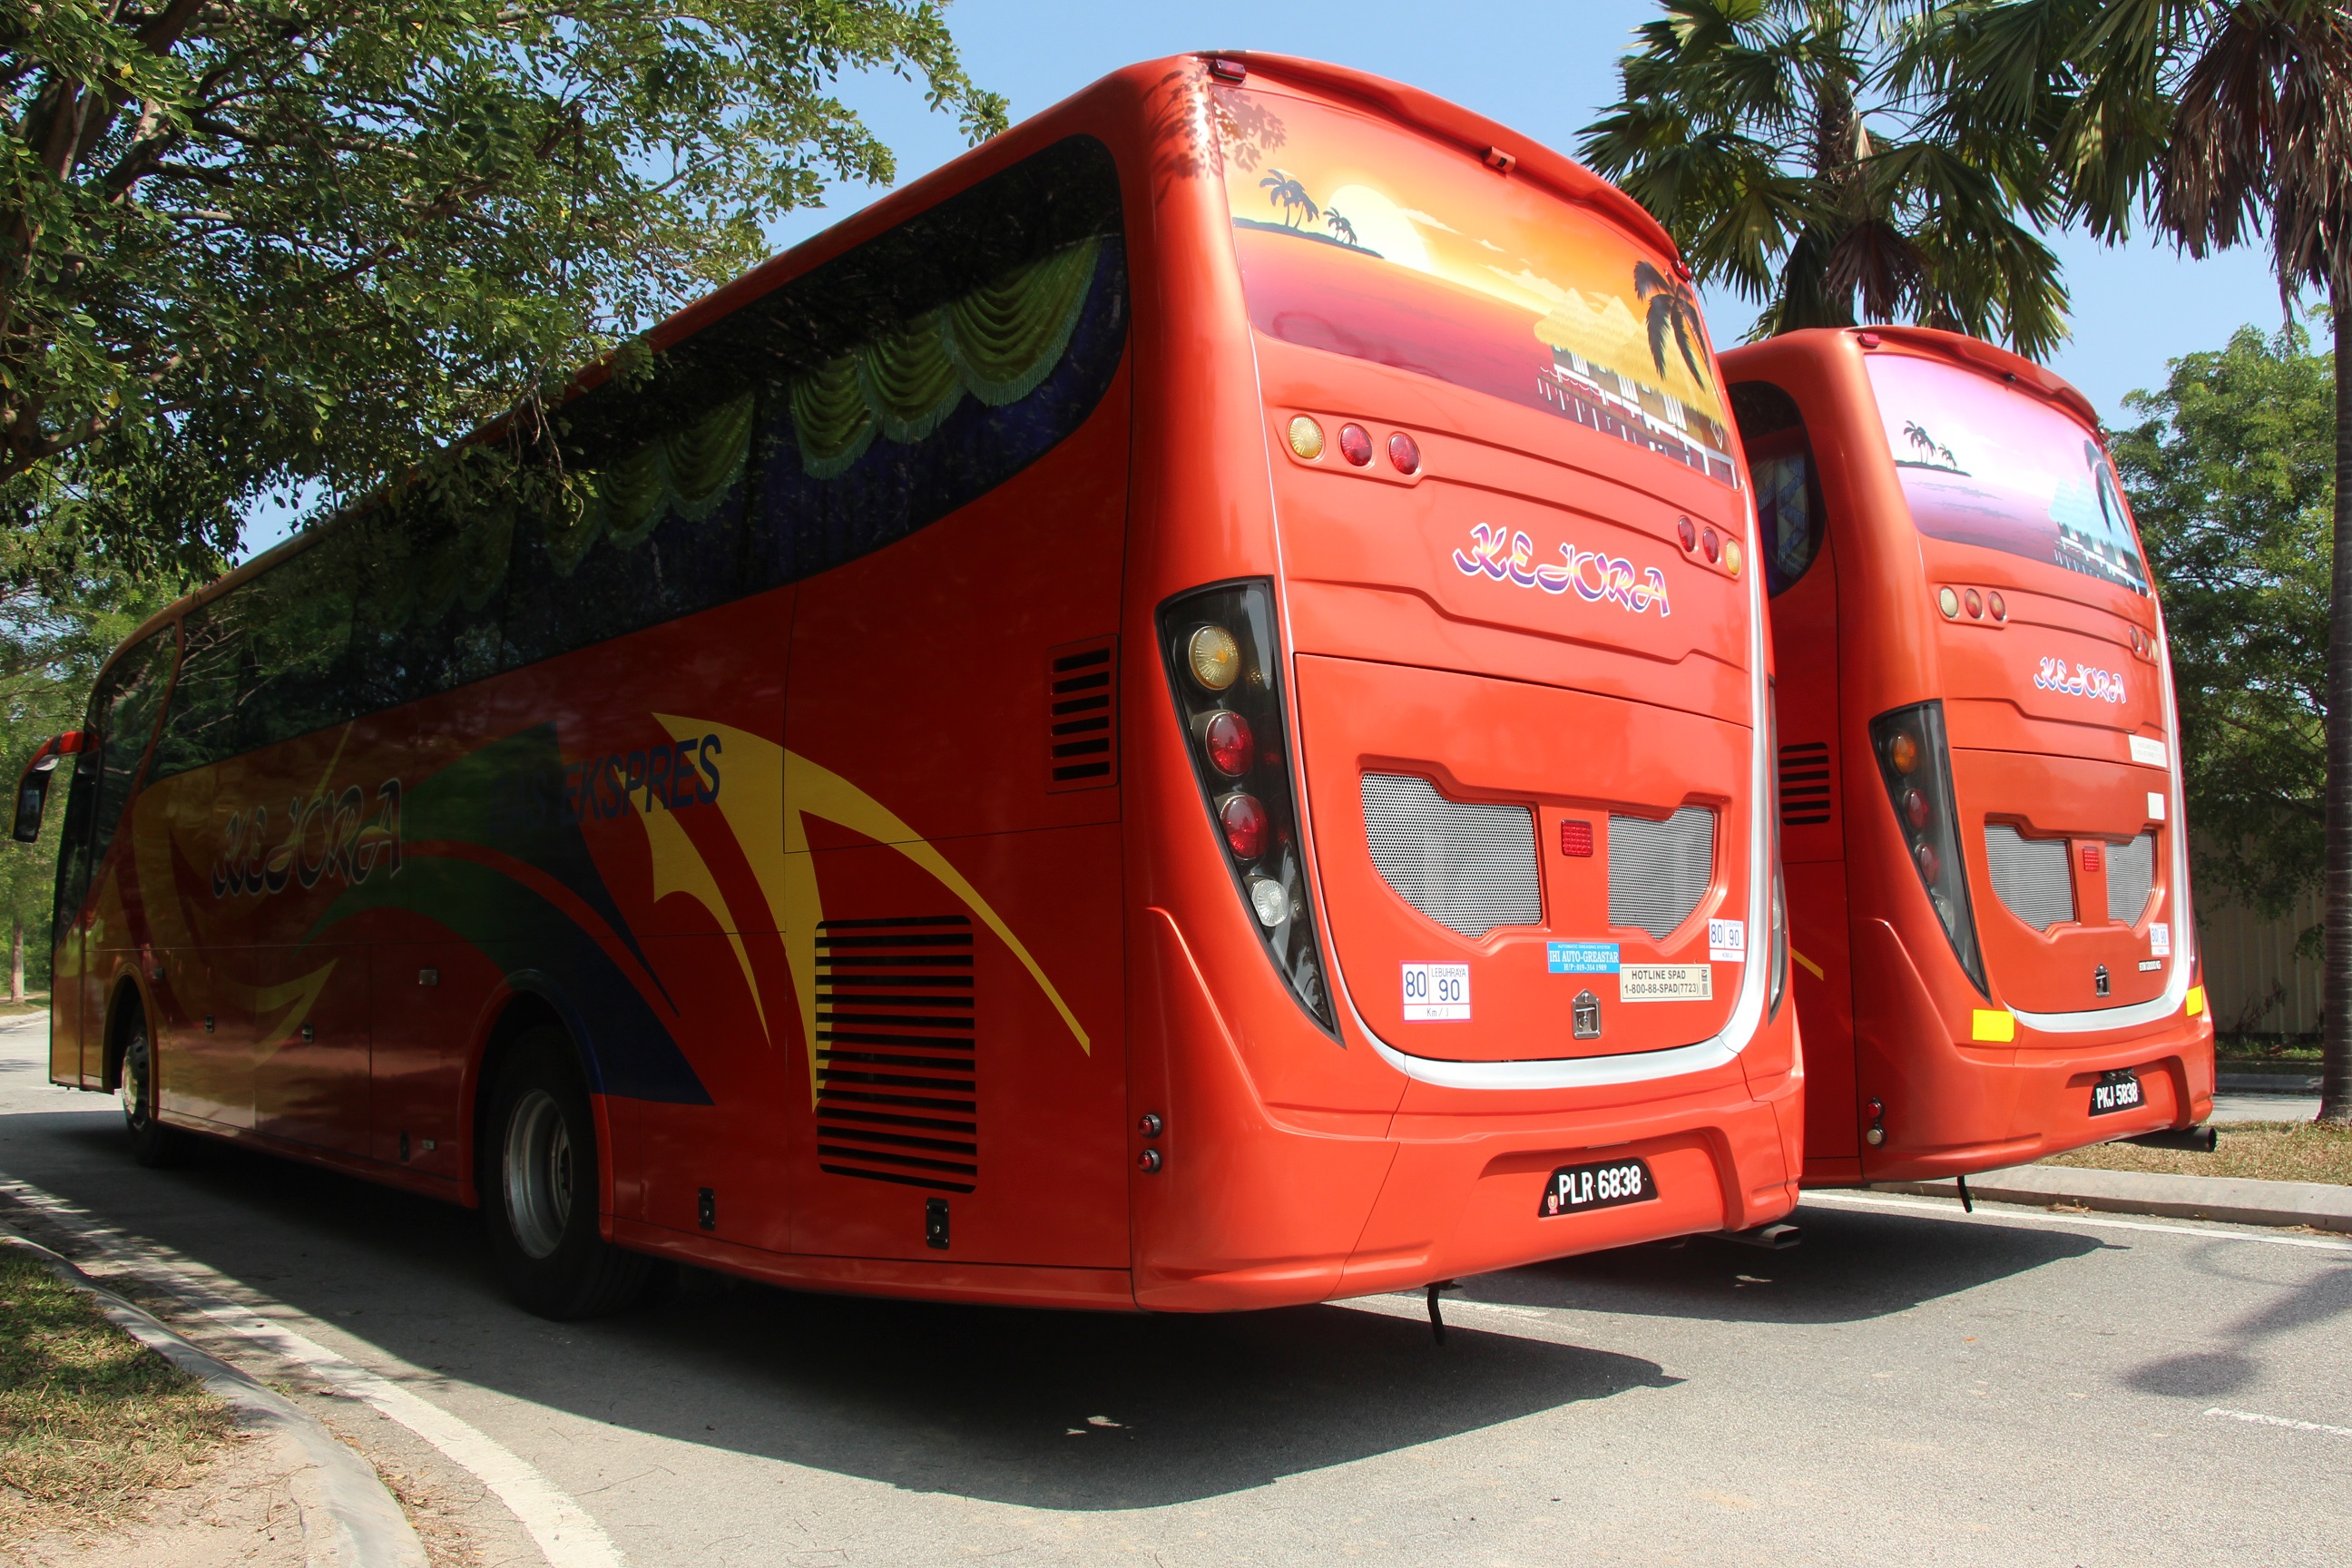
(527, 1001)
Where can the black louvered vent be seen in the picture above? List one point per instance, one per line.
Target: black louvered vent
(895, 1094)
(1804, 784)
(1081, 715)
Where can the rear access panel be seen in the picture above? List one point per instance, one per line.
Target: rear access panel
(1566, 881)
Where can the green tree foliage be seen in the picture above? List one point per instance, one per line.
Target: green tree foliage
(1784, 148)
(2231, 477)
(249, 246)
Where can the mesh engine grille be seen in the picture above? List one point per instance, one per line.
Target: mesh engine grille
(2030, 874)
(896, 1093)
(2131, 877)
(1469, 866)
(1659, 870)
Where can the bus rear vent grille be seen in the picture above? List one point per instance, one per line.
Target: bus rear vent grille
(2030, 874)
(1805, 785)
(1081, 715)
(1658, 871)
(897, 1097)
(2131, 877)
(1469, 866)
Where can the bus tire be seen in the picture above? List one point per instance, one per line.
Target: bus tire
(540, 1186)
(152, 1144)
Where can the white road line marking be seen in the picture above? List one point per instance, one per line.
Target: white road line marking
(1953, 1211)
(565, 1533)
(2261, 1420)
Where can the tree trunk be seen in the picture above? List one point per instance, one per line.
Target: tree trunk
(17, 965)
(2335, 1048)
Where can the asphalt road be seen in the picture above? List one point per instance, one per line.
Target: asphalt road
(1908, 1386)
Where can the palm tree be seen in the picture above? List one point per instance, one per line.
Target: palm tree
(1287, 193)
(1745, 127)
(1341, 229)
(2220, 124)
(1673, 308)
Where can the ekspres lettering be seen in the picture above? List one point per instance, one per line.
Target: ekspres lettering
(324, 836)
(2079, 680)
(1510, 557)
(671, 777)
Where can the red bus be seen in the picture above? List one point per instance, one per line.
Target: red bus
(1169, 717)
(1980, 801)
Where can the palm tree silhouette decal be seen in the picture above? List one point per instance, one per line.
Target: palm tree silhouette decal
(1338, 225)
(1673, 309)
(1287, 193)
(1928, 447)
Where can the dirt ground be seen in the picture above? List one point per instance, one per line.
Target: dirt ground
(237, 1509)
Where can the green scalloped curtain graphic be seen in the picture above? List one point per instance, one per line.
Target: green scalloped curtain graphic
(996, 344)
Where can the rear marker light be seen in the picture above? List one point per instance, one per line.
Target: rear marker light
(1947, 602)
(1404, 452)
(2000, 606)
(1687, 533)
(1867, 340)
(1228, 70)
(1244, 820)
(1228, 739)
(1914, 765)
(1306, 437)
(2090, 856)
(1356, 444)
(1215, 659)
(1225, 672)
(1711, 544)
(1576, 839)
(1976, 606)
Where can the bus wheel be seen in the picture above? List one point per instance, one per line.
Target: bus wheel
(152, 1144)
(539, 1185)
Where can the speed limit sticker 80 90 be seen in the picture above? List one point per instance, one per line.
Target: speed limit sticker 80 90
(1435, 993)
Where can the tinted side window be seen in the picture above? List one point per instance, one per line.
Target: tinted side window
(201, 725)
(125, 706)
(1788, 517)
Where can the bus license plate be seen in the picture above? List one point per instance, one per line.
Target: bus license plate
(1576, 1189)
(2117, 1091)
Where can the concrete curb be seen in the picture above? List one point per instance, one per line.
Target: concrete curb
(2236, 1200)
(349, 1520)
(2267, 1083)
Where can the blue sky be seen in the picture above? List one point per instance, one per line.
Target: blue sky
(1543, 69)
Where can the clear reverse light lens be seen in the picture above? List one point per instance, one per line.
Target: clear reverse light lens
(1215, 657)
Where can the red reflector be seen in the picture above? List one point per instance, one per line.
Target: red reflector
(1914, 809)
(2000, 608)
(1576, 838)
(1687, 533)
(1405, 453)
(1931, 865)
(1244, 820)
(1228, 739)
(2090, 856)
(1713, 545)
(1976, 604)
(1354, 444)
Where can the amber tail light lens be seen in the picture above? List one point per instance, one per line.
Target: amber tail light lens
(1917, 770)
(1225, 670)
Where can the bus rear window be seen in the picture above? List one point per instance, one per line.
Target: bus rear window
(1361, 239)
(1981, 464)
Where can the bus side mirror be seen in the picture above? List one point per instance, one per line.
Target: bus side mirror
(33, 785)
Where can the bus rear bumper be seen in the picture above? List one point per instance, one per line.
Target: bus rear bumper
(1450, 1206)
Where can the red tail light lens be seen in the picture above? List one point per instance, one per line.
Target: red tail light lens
(1355, 444)
(1404, 453)
(1226, 738)
(1915, 766)
(1576, 838)
(1240, 763)
(1244, 820)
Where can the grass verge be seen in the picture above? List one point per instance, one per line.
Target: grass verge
(91, 1419)
(2267, 1151)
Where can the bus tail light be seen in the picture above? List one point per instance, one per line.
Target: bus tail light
(1225, 670)
(1916, 768)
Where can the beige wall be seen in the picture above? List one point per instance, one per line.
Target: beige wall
(2253, 981)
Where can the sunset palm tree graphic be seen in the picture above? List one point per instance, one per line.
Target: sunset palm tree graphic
(1336, 222)
(1286, 192)
(1928, 448)
(1673, 309)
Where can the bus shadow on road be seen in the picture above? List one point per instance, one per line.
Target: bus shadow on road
(1852, 1265)
(1058, 1410)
